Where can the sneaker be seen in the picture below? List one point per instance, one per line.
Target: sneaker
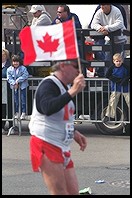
(85, 191)
(23, 116)
(105, 119)
(16, 115)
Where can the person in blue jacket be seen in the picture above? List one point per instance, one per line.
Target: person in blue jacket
(17, 77)
(119, 76)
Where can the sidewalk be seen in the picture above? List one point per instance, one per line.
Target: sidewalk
(106, 158)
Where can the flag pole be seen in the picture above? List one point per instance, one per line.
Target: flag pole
(78, 59)
(79, 65)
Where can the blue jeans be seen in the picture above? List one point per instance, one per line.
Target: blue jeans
(22, 100)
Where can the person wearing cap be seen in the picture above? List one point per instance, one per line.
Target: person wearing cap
(40, 16)
(52, 128)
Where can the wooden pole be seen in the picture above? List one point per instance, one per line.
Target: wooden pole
(78, 59)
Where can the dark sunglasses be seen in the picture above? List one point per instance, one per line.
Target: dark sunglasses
(75, 66)
(60, 12)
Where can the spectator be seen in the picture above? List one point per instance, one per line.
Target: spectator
(52, 128)
(101, 41)
(119, 76)
(120, 7)
(64, 14)
(17, 77)
(40, 16)
(113, 21)
(5, 64)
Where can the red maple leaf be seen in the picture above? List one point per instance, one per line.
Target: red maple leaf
(48, 45)
(71, 111)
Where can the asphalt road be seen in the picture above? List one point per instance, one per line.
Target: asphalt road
(106, 158)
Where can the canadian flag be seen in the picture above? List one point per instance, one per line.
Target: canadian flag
(49, 43)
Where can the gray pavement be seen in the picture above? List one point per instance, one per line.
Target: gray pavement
(106, 158)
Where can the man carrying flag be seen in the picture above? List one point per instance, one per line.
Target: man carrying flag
(52, 120)
(52, 128)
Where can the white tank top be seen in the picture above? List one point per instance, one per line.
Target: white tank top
(58, 128)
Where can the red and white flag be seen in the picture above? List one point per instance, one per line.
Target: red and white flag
(49, 43)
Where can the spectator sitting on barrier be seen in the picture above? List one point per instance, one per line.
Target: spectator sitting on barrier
(108, 19)
(5, 64)
(119, 76)
(119, 6)
(17, 77)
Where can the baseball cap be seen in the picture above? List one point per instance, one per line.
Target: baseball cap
(35, 8)
(82, 61)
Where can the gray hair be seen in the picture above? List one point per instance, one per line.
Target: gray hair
(56, 65)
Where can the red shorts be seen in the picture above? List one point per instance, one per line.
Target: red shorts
(39, 147)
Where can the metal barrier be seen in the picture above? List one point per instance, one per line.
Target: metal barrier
(90, 105)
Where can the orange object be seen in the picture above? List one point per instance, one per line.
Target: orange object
(89, 55)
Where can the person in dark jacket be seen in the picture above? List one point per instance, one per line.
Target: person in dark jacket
(5, 64)
(63, 15)
(119, 76)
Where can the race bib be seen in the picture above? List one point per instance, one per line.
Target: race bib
(69, 128)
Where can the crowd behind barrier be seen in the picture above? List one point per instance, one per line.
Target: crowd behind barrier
(89, 103)
(92, 102)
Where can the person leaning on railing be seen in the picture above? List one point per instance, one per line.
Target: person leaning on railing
(109, 19)
(40, 16)
(119, 76)
(17, 77)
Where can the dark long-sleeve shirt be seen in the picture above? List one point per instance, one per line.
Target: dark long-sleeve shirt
(70, 16)
(49, 99)
(119, 77)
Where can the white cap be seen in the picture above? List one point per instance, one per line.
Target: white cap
(35, 8)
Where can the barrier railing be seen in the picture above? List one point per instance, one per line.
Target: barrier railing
(90, 104)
